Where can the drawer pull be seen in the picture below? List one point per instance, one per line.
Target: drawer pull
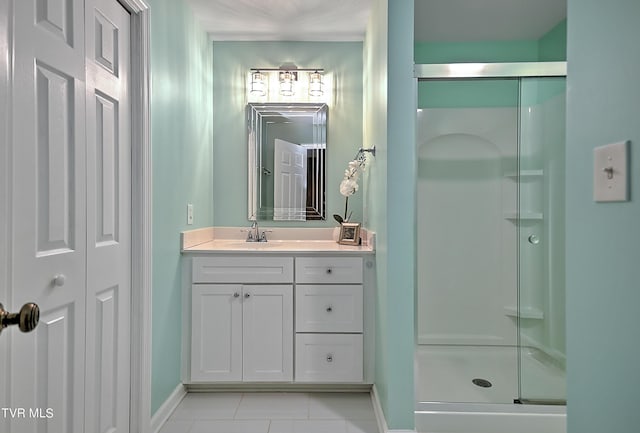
(236, 295)
(329, 309)
(247, 295)
(329, 271)
(329, 357)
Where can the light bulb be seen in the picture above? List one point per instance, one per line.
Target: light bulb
(258, 84)
(315, 84)
(286, 83)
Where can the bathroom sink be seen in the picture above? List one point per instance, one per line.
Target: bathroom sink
(243, 245)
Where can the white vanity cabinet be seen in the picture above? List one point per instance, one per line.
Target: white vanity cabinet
(280, 318)
(242, 331)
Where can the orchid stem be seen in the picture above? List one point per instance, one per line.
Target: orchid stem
(346, 204)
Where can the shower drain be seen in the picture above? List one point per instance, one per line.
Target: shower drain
(483, 383)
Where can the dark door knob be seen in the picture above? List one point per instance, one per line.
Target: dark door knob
(27, 319)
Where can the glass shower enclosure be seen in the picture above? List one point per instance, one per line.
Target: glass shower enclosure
(490, 251)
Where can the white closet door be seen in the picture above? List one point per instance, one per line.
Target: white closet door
(48, 224)
(69, 188)
(108, 217)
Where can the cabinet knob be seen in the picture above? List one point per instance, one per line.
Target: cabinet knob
(247, 295)
(329, 270)
(329, 309)
(58, 280)
(236, 295)
(329, 357)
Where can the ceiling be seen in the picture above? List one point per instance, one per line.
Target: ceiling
(346, 20)
(486, 20)
(283, 20)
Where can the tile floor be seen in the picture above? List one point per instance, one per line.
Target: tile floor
(273, 412)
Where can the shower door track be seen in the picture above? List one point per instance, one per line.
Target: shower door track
(545, 402)
(489, 70)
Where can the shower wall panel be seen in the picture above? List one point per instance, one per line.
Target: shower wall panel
(467, 203)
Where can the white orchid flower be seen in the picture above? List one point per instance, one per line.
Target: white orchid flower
(349, 184)
(348, 187)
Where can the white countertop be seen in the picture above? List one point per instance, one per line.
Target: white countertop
(281, 240)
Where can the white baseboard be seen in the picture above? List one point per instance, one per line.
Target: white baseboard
(164, 412)
(377, 409)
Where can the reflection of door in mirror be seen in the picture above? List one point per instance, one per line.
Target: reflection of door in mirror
(290, 181)
(305, 127)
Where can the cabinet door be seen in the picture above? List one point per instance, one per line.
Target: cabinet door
(216, 333)
(267, 333)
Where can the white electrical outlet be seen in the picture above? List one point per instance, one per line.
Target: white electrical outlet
(189, 214)
(610, 172)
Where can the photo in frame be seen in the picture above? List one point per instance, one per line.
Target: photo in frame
(349, 233)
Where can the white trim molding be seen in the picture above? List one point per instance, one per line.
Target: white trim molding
(135, 6)
(6, 57)
(379, 413)
(141, 217)
(164, 412)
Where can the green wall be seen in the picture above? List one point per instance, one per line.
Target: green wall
(476, 52)
(375, 179)
(468, 93)
(552, 47)
(181, 136)
(603, 239)
(390, 98)
(231, 62)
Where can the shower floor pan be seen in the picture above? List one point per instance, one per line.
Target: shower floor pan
(471, 389)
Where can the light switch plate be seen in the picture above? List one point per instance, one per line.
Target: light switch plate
(610, 172)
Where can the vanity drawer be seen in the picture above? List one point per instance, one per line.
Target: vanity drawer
(328, 358)
(329, 270)
(242, 270)
(328, 308)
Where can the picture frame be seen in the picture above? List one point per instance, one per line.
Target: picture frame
(349, 234)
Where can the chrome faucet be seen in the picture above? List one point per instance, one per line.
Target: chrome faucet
(255, 231)
(254, 235)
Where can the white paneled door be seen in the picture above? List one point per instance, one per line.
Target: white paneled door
(108, 288)
(290, 181)
(49, 214)
(70, 219)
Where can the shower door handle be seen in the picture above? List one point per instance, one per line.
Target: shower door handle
(27, 319)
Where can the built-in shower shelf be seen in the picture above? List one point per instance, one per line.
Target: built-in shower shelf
(523, 215)
(525, 312)
(524, 173)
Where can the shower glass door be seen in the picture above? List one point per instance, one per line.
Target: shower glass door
(490, 298)
(467, 207)
(541, 253)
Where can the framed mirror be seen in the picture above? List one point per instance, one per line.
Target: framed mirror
(287, 146)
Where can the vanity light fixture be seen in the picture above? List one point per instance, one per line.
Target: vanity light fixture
(287, 83)
(258, 83)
